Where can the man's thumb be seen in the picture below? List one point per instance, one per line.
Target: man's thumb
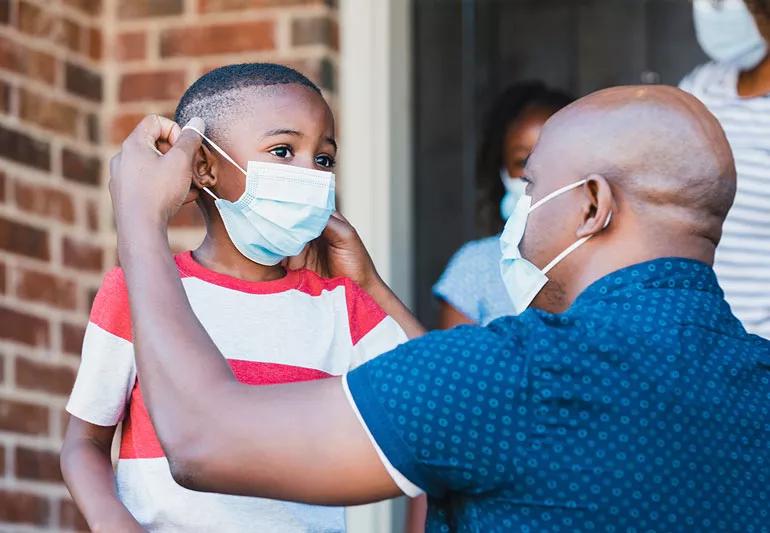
(191, 137)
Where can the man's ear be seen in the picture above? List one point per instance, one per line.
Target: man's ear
(597, 208)
(204, 168)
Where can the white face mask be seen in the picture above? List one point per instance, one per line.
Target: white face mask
(522, 279)
(727, 32)
(282, 209)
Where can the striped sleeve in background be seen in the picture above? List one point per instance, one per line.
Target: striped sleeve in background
(743, 256)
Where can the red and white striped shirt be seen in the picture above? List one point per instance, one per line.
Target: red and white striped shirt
(297, 328)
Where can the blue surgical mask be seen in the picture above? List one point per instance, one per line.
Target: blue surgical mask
(728, 33)
(522, 279)
(282, 209)
(510, 197)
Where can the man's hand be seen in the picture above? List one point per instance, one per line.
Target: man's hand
(339, 251)
(145, 186)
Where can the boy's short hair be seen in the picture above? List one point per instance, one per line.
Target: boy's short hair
(214, 95)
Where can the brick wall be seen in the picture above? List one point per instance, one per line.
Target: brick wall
(75, 77)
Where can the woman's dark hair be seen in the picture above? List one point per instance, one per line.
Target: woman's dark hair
(508, 107)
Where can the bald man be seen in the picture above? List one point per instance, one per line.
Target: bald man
(627, 397)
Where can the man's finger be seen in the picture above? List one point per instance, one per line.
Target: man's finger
(189, 141)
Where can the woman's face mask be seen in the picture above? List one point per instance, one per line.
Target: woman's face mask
(727, 32)
(281, 210)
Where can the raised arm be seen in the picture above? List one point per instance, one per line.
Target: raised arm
(298, 441)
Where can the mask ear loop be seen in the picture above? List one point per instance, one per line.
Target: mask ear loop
(217, 148)
(556, 193)
(577, 244)
(220, 151)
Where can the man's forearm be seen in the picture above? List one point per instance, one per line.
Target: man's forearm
(176, 359)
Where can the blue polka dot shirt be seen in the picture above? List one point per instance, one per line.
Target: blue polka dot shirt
(644, 407)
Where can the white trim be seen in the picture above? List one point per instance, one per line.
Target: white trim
(406, 486)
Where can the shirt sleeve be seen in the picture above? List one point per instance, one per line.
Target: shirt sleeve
(372, 332)
(458, 284)
(107, 370)
(439, 408)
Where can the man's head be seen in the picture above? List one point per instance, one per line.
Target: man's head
(654, 157)
(257, 112)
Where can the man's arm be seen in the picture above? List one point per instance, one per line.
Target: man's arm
(298, 441)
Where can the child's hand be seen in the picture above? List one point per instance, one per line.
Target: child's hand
(339, 251)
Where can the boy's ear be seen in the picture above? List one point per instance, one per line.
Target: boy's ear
(204, 168)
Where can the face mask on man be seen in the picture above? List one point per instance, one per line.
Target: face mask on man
(728, 33)
(281, 210)
(522, 279)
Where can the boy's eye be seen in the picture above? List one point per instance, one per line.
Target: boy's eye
(325, 161)
(281, 151)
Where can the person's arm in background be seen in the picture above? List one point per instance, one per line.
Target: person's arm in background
(86, 466)
(300, 441)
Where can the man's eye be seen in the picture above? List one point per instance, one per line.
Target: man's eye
(281, 151)
(325, 161)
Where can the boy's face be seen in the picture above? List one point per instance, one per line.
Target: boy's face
(288, 124)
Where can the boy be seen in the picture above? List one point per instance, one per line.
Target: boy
(266, 190)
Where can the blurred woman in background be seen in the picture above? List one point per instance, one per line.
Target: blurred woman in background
(735, 86)
(471, 289)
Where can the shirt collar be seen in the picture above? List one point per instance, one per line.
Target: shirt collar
(663, 273)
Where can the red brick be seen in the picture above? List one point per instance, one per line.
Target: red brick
(82, 255)
(218, 39)
(70, 517)
(188, 216)
(44, 201)
(92, 215)
(38, 465)
(17, 58)
(45, 377)
(22, 508)
(152, 85)
(89, 7)
(22, 417)
(24, 149)
(46, 288)
(95, 43)
(207, 6)
(72, 338)
(5, 11)
(314, 30)
(47, 112)
(33, 20)
(5, 96)
(72, 36)
(122, 125)
(131, 46)
(22, 239)
(81, 168)
(83, 82)
(23, 328)
(149, 8)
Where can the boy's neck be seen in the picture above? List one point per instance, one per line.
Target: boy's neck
(218, 253)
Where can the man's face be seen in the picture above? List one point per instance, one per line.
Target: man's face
(286, 124)
(552, 227)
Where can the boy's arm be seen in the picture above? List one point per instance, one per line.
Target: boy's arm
(87, 469)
